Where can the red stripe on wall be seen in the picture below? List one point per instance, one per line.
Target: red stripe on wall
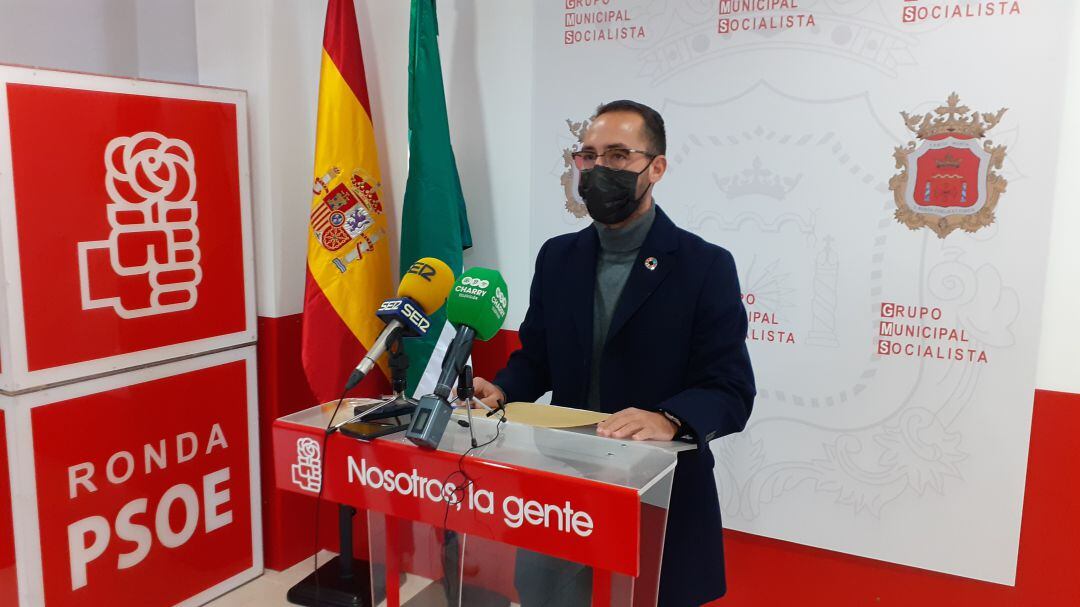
(770, 572)
(341, 40)
(288, 518)
(489, 357)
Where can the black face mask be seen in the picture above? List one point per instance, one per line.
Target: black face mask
(609, 194)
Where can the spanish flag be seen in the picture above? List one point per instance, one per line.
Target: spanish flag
(348, 261)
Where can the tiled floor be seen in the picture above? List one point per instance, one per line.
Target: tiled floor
(268, 590)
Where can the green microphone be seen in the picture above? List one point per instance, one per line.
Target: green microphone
(478, 299)
(477, 307)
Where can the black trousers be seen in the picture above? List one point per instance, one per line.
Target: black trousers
(546, 581)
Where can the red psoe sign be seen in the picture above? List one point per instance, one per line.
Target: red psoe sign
(9, 587)
(129, 238)
(144, 491)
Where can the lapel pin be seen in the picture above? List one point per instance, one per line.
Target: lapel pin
(651, 263)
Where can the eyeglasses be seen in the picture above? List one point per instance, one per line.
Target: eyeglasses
(614, 158)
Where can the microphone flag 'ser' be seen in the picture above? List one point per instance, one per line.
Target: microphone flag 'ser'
(422, 291)
(477, 306)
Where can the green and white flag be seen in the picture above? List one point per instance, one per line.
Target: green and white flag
(434, 222)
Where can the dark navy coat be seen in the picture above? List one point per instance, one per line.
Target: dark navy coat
(677, 342)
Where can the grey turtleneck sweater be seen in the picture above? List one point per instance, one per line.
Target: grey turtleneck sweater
(618, 251)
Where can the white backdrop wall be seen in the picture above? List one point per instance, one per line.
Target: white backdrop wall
(781, 149)
(1058, 366)
(272, 49)
(152, 39)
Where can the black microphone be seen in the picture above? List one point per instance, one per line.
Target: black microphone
(456, 356)
(477, 306)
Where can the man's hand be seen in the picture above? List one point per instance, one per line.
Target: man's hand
(638, 425)
(488, 393)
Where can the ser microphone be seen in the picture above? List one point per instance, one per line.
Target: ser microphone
(422, 291)
(477, 307)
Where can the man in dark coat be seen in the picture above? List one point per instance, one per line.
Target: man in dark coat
(637, 317)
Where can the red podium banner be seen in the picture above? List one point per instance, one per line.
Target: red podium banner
(573, 518)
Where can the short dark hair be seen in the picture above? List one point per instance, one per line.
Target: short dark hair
(654, 122)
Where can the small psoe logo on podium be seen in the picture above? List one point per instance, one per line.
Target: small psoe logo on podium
(150, 180)
(307, 471)
(949, 179)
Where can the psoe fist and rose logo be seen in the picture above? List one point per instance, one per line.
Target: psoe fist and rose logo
(307, 471)
(152, 213)
(131, 223)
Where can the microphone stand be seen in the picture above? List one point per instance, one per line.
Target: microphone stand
(344, 587)
(452, 549)
(466, 391)
(455, 588)
(397, 405)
